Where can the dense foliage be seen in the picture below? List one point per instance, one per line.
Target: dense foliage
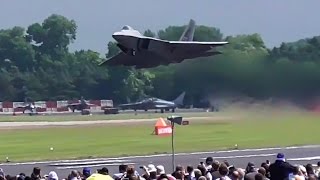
(36, 63)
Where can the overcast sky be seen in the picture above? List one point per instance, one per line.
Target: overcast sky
(275, 20)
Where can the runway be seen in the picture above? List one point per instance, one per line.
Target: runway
(239, 158)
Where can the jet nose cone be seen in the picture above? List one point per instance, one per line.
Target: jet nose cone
(116, 34)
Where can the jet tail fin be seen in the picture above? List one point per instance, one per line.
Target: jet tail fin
(188, 33)
(179, 99)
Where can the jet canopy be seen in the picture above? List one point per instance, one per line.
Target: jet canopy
(126, 27)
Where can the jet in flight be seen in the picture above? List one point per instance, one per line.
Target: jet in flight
(80, 106)
(140, 51)
(155, 103)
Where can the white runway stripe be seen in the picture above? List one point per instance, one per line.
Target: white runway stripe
(77, 167)
(242, 156)
(88, 162)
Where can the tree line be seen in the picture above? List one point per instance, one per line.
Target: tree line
(36, 62)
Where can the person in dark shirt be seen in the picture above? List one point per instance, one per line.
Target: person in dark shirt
(280, 169)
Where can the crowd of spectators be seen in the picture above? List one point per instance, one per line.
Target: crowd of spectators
(209, 170)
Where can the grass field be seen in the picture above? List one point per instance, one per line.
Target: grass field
(115, 140)
(78, 117)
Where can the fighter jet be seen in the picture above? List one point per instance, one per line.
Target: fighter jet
(155, 103)
(29, 106)
(80, 106)
(146, 52)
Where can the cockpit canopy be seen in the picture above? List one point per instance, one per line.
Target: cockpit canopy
(126, 27)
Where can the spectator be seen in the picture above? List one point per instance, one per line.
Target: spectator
(280, 169)
(241, 173)
(265, 165)
(160, 171)
(197, 174)
(104, 171)
(53, 176)
(235, 175)
(296, 174)
(215, 170)
(86, 173)
(317, 170)
(209, 161)
(189, 173)
(74, 175)
(223, 170)
(262, 171)
(122, 170)
(36, 173)
(250, 168)
(309, 169)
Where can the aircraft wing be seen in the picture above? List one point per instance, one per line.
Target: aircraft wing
(73, 104)
(194, 45)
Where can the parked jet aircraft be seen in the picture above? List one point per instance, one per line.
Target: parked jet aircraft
(147, 52)
(155, 103)
(80, 106)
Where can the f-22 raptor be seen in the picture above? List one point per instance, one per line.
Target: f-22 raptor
(80, 106)
(155, 103)
(140, 51)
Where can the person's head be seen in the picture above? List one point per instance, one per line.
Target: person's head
(209, 161)
(223, 170)
(202, 169)
(258, 176)
(104, 171)
(296, 171)
(36, 171)
(178, 175)
(280, 157)
(250, 167)
(179, 168)
(74, 173)
(309, 169)
(241, 173)
(160, 170)
(86, 172)
(262, 171)
(53, 176)
(123, 168)
(235, 175)
(318, 163)
(197, 173)
(202, 178)
(130, 170)
(189, 169)
(215, 165)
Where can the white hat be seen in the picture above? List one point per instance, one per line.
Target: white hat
(161, 169)
(152, 168)
(53, 175)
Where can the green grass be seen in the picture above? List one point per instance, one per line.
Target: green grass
(23, 145)
(78, 117)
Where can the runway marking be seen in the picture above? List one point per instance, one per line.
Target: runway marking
(164, 155)
(243, 156)
(97, 165)
(88, 162)
(305, 158)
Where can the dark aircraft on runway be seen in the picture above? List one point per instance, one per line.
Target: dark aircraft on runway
(29, 106)
(146, 52)
(80, 106)
(155, 103)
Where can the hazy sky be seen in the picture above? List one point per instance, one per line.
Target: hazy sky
(275, 20)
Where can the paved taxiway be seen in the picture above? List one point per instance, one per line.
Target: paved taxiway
(299, 155)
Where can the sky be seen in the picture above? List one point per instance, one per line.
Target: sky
(275, 20)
